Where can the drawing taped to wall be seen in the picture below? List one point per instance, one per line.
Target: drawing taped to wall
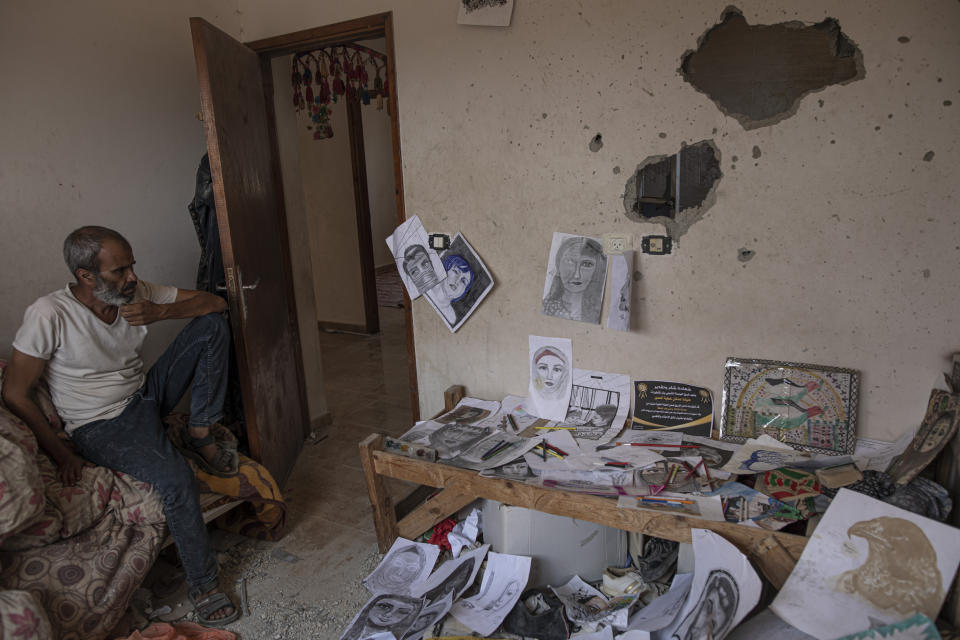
(808, 406)
(487, 13)
(551, 363)
(576, 273)
(621, 279)
(466, 283)
(406, 564)
(419, 266)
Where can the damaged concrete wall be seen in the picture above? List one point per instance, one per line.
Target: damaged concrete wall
(840, 211)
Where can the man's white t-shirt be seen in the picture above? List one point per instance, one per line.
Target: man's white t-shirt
(93, 367)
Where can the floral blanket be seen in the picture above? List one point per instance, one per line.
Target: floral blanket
(78, 553)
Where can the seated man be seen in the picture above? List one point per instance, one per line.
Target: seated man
(85, 341)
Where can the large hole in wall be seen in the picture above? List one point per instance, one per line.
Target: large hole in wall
(759, 73)
(676, 190)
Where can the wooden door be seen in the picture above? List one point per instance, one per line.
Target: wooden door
(256, 255)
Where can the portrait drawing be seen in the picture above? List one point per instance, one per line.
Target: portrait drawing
(575, 279)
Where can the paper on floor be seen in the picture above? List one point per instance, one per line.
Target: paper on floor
(587, 606)
(663, 610)
(868, 562)
(725, 589)
(406, 565)
(503, 581)
(453, 576)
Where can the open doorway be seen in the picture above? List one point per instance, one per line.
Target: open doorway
(344, 179)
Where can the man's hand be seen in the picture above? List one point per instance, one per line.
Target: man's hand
(142, 313)
(70, 468)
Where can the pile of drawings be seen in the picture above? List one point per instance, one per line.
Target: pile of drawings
(879, 562)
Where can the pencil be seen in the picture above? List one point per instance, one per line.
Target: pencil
(500, 449)
(557, 449)
(694, 470)
(655, 500)
(491, 450)
(545, 451)
(513, 423)
(619, 465)
(551, 428)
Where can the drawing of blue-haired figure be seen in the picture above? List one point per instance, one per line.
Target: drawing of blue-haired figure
(447, 295)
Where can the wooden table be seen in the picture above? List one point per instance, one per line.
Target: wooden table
(775, 553)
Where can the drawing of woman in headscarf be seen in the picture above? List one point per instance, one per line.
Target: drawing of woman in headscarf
(453, 289)
(550, 372)
(576, 292)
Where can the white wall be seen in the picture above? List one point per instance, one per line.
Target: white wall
(844, 232)
(298, 229)
(378, 150)
(98, 126)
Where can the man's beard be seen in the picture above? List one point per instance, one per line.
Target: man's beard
(110, 294)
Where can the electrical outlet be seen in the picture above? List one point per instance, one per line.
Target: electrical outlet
(617, 243)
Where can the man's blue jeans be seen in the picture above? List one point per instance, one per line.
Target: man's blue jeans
(136, 443)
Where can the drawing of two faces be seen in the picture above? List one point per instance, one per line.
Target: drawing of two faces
(449, 296)
(576, 292)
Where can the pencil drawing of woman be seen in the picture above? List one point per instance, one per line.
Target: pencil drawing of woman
(398, 571)
(453, 289)
(576, 291)
(550, 371)
(384, 613)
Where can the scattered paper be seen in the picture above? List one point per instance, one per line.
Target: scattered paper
(763, 454)
(406, 564)
(604, 634)
(725, 589)
(876, 455)
(715, 453)
(621, 279)
(493, 451)
(430, 614)
(465, 284)
(503, 581)
(551, 381)
(663, 610)
(868, 563)
(453, 576)
(576, 275)
(743, 504)
(587, 606)
(419, 266)
(599, 406)
(684, 504)
(464, 533)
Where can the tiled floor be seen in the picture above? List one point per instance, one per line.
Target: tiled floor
(330, 528)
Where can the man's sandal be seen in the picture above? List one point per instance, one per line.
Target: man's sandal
(204, 606)
(225, 463)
